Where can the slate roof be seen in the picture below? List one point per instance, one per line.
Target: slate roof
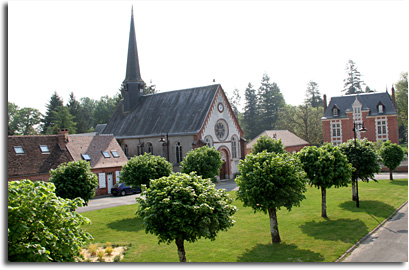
(33, 161)
(369, 102)
(287, 138)
(93, 146)
(179, 112)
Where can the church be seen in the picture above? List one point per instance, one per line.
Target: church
(172, 123)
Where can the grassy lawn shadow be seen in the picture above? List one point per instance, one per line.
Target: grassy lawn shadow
(279, 252)
(371, 207)
(398, 183)
(127, 225)
(345, 230)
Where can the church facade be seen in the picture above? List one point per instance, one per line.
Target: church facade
(172, 123)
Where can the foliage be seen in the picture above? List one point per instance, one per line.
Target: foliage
(326, 167)
(250, 114)
(139, 170)
(104, 108)
(185, 207)
(352, 84)
(74, 179)
(402, 104)
(313, 95)
(43, 227)
(76, 110)
(392, 155)
(55, 102)
(269, 181)
(205, 161)
(62, 118)
(269, 144)
(234, 101)
(23, 121)
(367, 158)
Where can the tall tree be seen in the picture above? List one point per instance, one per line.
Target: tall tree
(53, 104)
(24, 121)
(76, 111)
(353, 83)
(61, 119)
(234, 101)
(270, 100)
(402, 104)
(88, 107)
(250, 114)
(103, 110)
(12, 110)
(313, 95)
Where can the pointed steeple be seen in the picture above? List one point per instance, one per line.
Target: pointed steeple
(133, 73)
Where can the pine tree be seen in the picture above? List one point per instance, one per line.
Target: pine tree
(313, 95)
(76, 111)
(250, 112)
(54, 103)
(352, 84)
(61, 119)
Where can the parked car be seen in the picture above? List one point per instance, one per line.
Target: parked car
(122, 189)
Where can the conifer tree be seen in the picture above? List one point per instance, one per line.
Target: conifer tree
(250, 114)
(352, 84)
(53, 104)
(313, 95)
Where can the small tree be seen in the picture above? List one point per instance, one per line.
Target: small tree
(139, 170)
(205, 161)
(74, 179)
(325, 167)
(185, 207)
(43, 227)
(392, 155)
(366, 157)
(269, 181)
(269, 144)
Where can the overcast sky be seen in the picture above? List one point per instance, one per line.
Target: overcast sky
(81, 47)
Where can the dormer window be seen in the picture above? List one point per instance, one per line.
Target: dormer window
(44, 149)
(115, 154)
(105, 154)
(380, 108)
(335, 111)
(86, 157)
(18, 150)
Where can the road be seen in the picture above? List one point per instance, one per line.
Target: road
(228, 185)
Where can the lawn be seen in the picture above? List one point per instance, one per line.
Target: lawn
(306, 237)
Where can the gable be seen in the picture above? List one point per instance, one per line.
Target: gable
(180, 112)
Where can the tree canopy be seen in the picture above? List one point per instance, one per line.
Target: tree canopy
(266, 143)
(353, 82)
(392, 155)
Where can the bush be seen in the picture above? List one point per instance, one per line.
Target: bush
(269, 144)
(109, 250)
(43, 227)
(139, 170)
(74, 179)
(392, 155)
(205, 161)
(101, 255)
(92, 249)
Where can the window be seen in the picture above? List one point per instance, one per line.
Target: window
(126, 150)
(336, 130)
(86, 157)
(18, 150)
(234, 146)
(44, 149)
(105, 154)
(380, 108)
(209, 140)
(114, 153)
(178, 152)
(335, 112)
(382, 127)
(150, 148)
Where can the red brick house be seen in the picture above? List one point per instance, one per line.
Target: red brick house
(32, 157)
(292, 143)
(376, 111)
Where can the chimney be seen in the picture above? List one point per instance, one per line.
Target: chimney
(325, 102)
(63, 138)
(393, 97)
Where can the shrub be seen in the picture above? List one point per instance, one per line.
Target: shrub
(101, 255)
(392, 155)
(92, 249)
(117, 258)
(109, 250)
(268, 144)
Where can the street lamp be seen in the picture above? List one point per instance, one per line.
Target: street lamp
(165, 142)
(361, 129)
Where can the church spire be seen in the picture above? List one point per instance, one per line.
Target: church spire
(133, 73)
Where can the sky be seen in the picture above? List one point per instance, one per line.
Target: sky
(81, 46)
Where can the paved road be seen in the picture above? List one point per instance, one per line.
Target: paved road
(229, 185)
(387, 244)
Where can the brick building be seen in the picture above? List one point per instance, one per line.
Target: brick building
(376, 111)
(32, 157)
(292, 143)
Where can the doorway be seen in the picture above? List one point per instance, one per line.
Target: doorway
(110, 180)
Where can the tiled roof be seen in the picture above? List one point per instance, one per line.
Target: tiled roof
(93, 146)
(33, 161)
(369, 102)
(180, 112)
(287, 138)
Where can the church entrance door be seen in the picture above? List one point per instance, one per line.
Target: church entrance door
(224, 171)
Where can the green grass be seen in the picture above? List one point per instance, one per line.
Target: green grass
(306, 237)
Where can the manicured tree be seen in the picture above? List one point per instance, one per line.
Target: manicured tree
(366, 163)
(139, 170)
(326, 167)
(392, 155)
(74, 179)
(43, 227)
(185, 207)
(205, 161)
(269, 181)
(269, 144)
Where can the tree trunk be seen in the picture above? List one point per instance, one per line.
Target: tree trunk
(390, 174)
(275, 236)
(181, 250)
(353, 189)
(324, 203)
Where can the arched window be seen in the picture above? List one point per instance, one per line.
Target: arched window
(234, 147)
(150, 148)
(126, 150)
(209, 140)
(178, 152)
